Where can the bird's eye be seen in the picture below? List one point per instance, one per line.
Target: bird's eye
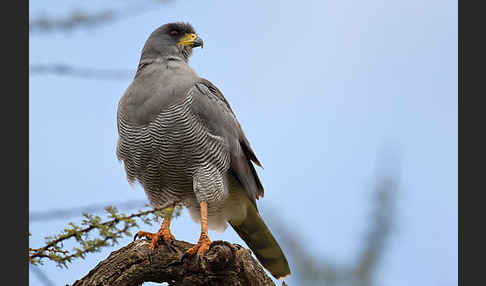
(174, 32)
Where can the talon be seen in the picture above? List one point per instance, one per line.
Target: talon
(201, 247)
(155, 237)
(163, 233)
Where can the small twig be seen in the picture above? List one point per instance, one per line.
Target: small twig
(88, 229)
(108, 231)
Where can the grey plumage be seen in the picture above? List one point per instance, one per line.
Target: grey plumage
(179, 138)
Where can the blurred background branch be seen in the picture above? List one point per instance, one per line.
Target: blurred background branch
(69, 70)
(382, 218)
(81, 19)
(324, 271)
(77, 212)
(75, 19)
(41, 275)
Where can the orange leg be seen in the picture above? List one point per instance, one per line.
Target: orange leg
(164, 232)
(204, 242)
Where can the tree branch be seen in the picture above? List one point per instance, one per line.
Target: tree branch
(224, 264)
(108, 231)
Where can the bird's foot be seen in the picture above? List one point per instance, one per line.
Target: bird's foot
(200, 248)
(163, 233)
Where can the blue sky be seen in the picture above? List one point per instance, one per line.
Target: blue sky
(320, 88)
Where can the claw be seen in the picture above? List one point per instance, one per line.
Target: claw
(162, 234)
(201, 247)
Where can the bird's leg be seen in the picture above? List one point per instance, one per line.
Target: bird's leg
(164, 232)
(204, 242)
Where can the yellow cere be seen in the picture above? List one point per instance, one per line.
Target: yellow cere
(187, 40)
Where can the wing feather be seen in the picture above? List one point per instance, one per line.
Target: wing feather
(213, 109)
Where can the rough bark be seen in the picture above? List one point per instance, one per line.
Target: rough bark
(223, 264)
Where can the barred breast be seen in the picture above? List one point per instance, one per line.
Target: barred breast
(174, 157)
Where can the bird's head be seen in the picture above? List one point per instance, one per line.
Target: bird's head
(172, 39)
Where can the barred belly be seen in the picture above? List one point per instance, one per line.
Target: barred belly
(175, 158)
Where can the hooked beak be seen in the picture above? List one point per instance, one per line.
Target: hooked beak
(191, 40)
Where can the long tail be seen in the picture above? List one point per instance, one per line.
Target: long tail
(261, 241)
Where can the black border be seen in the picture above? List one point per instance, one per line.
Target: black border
(471, 121)
(15, 142)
